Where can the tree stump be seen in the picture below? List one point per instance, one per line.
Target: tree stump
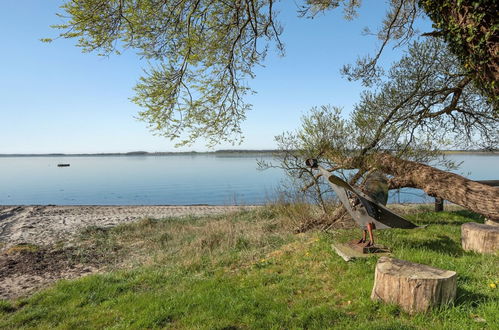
(491, 222)
(414, 287)
(479, 237)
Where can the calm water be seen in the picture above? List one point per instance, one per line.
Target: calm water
(165, 180)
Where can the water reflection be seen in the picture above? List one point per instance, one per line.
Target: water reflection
(167, 180)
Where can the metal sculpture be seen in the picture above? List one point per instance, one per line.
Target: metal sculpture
(365, 210)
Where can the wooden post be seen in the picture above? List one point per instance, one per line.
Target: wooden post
(439, 204)
(414, 287)
(480, 238)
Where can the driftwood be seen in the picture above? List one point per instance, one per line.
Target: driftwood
(480, 238)
(414, 287)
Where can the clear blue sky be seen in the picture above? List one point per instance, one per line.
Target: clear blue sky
(53, 98)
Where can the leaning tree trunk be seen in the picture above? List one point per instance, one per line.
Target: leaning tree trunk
(477, 197)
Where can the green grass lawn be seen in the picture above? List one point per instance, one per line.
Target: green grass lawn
(247, 270)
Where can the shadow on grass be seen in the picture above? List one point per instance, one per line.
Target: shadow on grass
(422, 222)
(441, 244)
(472, 299)
(471, 215)
(451, 218)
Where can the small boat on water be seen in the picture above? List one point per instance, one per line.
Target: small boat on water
(63, 165)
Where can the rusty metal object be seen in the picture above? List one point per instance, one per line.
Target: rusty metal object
(368, 213)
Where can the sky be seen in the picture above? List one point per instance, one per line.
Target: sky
(56, 99)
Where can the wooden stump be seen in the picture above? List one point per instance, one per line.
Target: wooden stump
(414, 287)
(479, 237)
(491, 222)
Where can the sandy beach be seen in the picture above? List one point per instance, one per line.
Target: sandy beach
(24, 273)
(45, 225)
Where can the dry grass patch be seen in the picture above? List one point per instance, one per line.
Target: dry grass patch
(190, 241)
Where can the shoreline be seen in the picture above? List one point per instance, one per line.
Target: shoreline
(48, 224)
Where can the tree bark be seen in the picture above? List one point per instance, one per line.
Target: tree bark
(477, 197)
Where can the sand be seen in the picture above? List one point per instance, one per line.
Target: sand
(45, 225)
(24, 271)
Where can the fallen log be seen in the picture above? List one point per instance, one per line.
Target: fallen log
(475, 196)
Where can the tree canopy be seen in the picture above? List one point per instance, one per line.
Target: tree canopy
(204, 52)
(471, 29)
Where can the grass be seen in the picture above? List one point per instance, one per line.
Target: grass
(247, 270)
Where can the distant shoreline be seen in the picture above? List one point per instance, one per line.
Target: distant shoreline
(217, 152)
(145, 153)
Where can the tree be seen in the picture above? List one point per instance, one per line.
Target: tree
(203, 52)
(424, 104)
(469, 27)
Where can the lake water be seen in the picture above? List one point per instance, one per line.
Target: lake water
(167, 180)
